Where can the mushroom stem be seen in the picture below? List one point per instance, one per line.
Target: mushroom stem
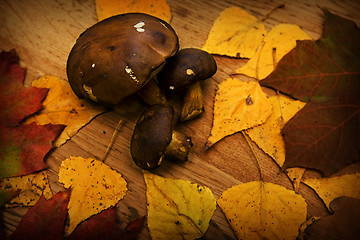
(179, 146)
(193, 105)
(152, 94)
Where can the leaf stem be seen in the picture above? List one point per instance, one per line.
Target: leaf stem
(281, 5)
(112, 139)
(257, 159)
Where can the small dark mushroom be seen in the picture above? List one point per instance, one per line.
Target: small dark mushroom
(119, 55)
(182, 72)
(154, 138)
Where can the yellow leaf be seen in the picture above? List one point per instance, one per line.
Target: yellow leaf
(237, 106)
(62, 106)
(330, 188)
(278, 42)
(177, 209)
(235, 33)
(283, 109)
(95, 187)
(157, 8)
(260, 210)
(30, 188)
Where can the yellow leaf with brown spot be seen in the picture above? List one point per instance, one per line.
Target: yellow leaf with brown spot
(278, 42)
(235, 33)
(177, 209)
(330, 188)
(62, 106)
(30, 188)
(157, 8)
(95, 187)
(268, 135)
(261, 210)
(238, 106)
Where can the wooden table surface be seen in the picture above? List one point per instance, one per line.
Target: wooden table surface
(43, 32)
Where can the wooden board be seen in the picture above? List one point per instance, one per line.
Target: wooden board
(43, 33)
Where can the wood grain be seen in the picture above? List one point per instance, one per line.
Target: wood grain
(43, 32)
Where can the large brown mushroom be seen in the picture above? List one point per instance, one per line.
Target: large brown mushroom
(154, 138)
(118, 56)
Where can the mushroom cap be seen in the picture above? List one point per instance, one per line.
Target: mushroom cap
(117, 56)
(186, 67)
(152, 134)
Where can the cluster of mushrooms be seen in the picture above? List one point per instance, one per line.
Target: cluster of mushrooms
(138, 53)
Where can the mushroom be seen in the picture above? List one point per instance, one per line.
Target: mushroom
(183, 71)
(154, 138)
(119, 55)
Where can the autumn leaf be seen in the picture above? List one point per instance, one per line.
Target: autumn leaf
(177, 208)
(45, 220)
(6, 195)
(238, 106)
(262, 210)
(343, 224)
(235, 33)
(108, 8)
(278, 42)
(325, 134)
(283, 109)
(330, 188)
(95, 187)
(70, 111)
(29, 187)
(17, 101)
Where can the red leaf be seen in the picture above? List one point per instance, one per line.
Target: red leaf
(343, 224)
(17, 101)
(23, 148)
(325, 134)
(45, 220)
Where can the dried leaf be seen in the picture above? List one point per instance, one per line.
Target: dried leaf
(70, 111)
(343, 224)
(278, 42)
(268, 135)
(45, 220)
(95, 187)
(235, 33)
(6, 195)
(30, 187)
(108, 8)
(330, 188)
(260, 210)
(237, 106)
(177, 208)
(325, 134)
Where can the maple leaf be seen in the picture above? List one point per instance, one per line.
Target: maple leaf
(343, 224)
(235, 33)
(95, 187)
(29, 187)
(330, 188)
(325, 134)
(70, 111)
(238, 106)
(17, 101)
(261, 210)
(108, 8)
(177, 208)
(45, 220)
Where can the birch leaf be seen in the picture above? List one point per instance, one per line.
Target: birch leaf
(95, 187)
(62, 106)
(30, 187)
(108, 8)
(330, 188)
(268, 135)
(261, 210)
(278, 42)
(237, 106)
(235, 33)
(177, 209)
